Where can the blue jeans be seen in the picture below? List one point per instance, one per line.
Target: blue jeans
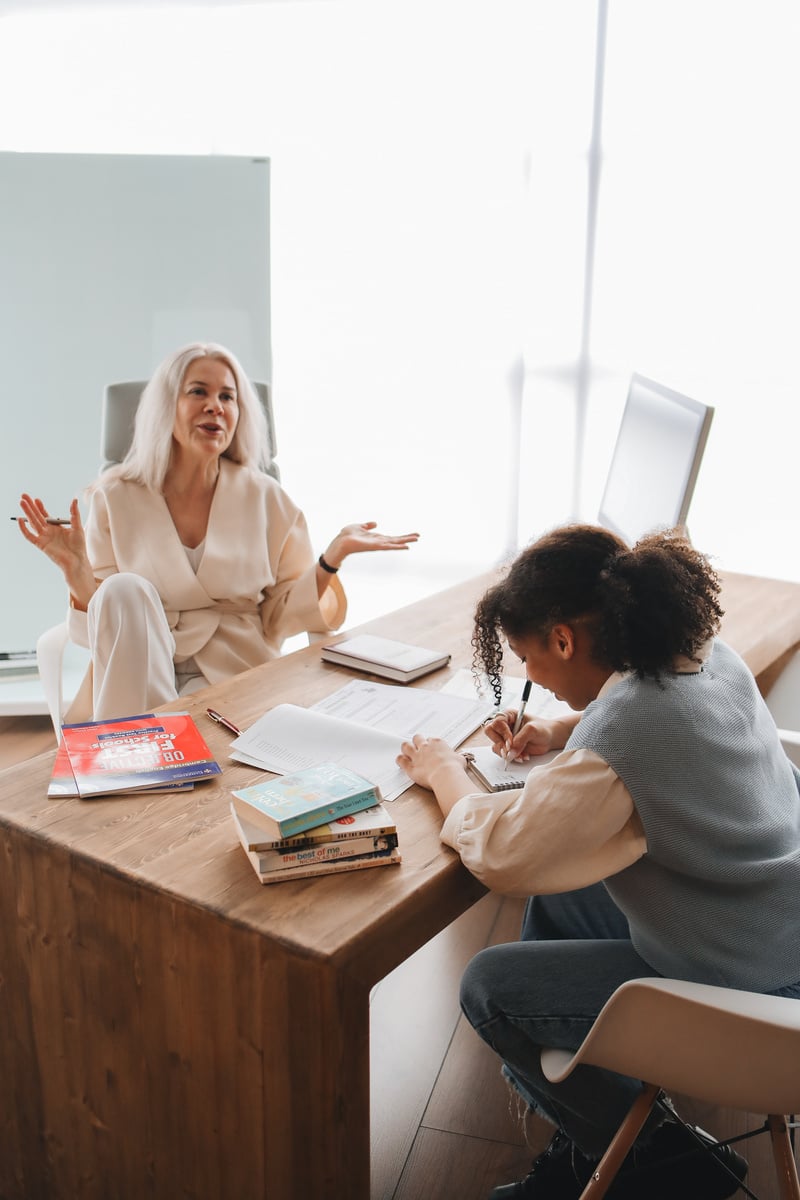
(547, 990)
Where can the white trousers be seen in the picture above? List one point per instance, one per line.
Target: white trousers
(132, 649)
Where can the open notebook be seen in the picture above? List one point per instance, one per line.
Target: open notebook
(490, 771)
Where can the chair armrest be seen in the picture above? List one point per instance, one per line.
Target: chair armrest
(50, 660)
(790, 740)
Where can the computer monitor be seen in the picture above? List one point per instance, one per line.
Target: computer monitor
(656, 460)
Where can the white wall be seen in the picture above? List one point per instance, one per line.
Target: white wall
(108, 263)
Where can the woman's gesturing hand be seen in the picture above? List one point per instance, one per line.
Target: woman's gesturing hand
(356, 539)
(65, 545)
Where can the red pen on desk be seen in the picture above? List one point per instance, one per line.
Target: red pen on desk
(220, 720)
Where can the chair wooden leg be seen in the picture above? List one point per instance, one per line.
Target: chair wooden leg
(785, 1167)
(621, 1143)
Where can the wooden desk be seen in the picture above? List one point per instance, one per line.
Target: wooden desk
(172, 1028)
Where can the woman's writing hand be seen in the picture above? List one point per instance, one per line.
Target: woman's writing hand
(65, 545)
(356, 539)
(534, 737)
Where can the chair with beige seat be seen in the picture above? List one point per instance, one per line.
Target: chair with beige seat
(734, 1049)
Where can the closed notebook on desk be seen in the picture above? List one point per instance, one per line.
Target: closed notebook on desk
(398, 661)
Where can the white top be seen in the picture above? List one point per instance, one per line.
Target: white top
(189, 669)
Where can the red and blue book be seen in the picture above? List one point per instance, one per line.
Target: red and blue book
(131, 754)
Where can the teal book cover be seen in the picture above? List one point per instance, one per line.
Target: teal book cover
(292, 803)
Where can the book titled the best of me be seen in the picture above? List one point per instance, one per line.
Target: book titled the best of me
(318, 858)
(291, 803)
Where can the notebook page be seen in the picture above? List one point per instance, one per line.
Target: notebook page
(493, 768)
(541, 702)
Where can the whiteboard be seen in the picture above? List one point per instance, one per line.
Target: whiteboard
(108, 263)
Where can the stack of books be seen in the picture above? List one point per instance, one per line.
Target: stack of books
(146, 753)
(317, 821)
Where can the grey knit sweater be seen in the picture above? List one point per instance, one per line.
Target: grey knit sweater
(716, 898)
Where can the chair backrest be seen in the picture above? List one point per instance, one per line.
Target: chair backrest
(724, 1046)
(783, 697)
(120, 401)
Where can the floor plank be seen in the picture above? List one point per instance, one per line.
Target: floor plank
(24, 737)
(470, 1096)
(446, 1166)
(421, 995)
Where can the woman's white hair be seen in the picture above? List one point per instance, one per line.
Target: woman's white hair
(149, 457)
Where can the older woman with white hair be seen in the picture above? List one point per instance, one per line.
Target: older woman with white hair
(194, 564)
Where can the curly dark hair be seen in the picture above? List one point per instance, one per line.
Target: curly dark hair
(644, 606)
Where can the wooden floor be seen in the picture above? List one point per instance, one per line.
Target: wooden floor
(444, 1124)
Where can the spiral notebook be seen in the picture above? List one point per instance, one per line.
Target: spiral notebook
(490, 771)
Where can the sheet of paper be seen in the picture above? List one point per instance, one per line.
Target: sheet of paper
(288, 739)
(540, 704)
(404, 711)
(360, 726)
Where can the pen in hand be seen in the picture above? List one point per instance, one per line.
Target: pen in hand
(526, 691)
(220, 720)
(48, 520)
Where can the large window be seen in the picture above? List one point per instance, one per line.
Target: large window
(699, 248)
(429, 191)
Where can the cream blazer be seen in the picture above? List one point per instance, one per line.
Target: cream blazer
(256, 583)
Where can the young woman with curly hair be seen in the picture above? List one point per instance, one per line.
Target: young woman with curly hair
(663, 839)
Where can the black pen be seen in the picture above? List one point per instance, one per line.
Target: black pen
(526, 691)
(220, 720)
(48, 520)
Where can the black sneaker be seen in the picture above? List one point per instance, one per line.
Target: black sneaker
(675, 1165)
(560, 1172)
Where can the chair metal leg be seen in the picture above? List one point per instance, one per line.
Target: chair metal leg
(785, 1167)
(623, 1139)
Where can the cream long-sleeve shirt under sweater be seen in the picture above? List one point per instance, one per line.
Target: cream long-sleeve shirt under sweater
(571, 825)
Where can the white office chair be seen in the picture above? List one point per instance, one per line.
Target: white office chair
(783, 698)
(729, 1048)
(120, 401)
(783, 701)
